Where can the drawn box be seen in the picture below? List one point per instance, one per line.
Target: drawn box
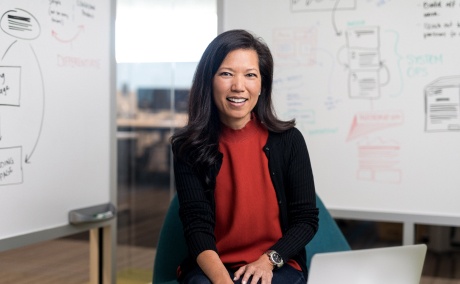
(442, 105)
(10, 165)
(363, 59)
(364, 84)
(363, 37)
(10, 85)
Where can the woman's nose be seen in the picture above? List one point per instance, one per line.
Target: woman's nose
(238, 84)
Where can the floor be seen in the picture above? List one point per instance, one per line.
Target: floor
(66, 260)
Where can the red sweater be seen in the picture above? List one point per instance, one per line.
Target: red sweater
(247, 213)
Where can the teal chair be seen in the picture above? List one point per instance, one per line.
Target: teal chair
(171, 249)
(328, 238)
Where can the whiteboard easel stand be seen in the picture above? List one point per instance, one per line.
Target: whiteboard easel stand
(102, 254)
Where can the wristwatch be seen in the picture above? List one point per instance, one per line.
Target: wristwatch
(275, 258)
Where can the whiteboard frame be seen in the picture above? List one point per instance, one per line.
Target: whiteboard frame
(408, 220)
(107, 260)
(49, 234)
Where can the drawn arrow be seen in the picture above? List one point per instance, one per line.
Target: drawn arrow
(28, 156)
(337, 32)
(339, 52)
(80, 29)
(399, 58)
(385, 67)
(8, 49)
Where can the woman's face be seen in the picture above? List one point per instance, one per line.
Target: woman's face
(236, 87)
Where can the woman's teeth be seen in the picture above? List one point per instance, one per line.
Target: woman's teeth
(236, 100)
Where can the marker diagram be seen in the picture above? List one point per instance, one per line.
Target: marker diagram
(23, 91)
(368, 67)
(364, 62)
(360, 59)
(442, 105)
(378, 161)
(23, 27)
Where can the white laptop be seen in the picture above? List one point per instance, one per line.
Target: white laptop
(389, 265)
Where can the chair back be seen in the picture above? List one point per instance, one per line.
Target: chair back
(171, 249)
(329, 237)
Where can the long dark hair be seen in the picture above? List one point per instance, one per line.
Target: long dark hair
(198, 141)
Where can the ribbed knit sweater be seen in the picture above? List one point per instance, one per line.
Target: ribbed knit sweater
(292, 178)
(247, 213)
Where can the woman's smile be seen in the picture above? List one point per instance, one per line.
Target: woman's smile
(237, 101)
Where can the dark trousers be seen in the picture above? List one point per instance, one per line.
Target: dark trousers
(286, 274)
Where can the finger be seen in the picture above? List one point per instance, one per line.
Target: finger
(247, 274)
(239, 272)
(256, 277)
(245, 278)
(267, 278)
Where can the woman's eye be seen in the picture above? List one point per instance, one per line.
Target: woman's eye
(225, 74)
(251, 75)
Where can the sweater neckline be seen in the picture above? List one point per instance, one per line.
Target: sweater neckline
(253, 127)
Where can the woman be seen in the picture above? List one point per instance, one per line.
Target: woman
(243, 177)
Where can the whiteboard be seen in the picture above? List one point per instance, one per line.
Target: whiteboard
(375, 88)
(55, 111)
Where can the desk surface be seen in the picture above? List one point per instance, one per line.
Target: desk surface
(163, 120)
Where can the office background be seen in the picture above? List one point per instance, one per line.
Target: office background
(151, 97)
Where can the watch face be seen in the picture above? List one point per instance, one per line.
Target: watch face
(276, 258)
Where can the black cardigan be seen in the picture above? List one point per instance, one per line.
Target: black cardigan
(292, 178)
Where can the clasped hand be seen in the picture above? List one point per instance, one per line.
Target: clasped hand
(261, 269)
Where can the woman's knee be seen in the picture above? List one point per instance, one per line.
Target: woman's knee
(288, 274)
(196, 276)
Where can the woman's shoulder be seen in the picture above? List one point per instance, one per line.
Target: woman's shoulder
(289, 139)
(291, 133)
(287, 143)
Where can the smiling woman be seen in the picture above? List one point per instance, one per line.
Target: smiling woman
(229, 173)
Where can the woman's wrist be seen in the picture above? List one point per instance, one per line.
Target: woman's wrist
(213, 267)
(267, 260)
